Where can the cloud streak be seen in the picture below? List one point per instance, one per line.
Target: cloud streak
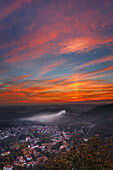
(13, 6)
(56, 51)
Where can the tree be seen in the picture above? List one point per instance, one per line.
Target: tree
(93, 155)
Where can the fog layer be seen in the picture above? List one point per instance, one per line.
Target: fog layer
(45, 117)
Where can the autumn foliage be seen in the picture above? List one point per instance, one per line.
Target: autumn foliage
(92, 155)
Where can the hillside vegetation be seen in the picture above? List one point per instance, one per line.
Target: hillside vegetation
(92, 155)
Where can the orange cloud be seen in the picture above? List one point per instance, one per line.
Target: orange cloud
(54, 29)
(99, 71)
(75, 87)
(42, 95)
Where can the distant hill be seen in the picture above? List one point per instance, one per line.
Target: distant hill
(99, 112)
(102, 117)
(14, 112)
(76, 115)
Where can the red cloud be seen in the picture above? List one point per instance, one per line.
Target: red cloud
(62, 33)
(56, 28)
(12, 7)
(98, 71)
(22, 77)
(66, 91)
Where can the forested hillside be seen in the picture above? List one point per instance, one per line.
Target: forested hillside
(92, 155)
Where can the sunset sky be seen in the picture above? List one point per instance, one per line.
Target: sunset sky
(56, 51)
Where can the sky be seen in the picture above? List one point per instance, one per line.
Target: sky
(56, 51)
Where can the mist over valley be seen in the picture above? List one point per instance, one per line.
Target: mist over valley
(99, 117)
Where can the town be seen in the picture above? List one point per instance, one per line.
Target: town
(27, 145)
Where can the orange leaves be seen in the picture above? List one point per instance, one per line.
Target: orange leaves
(95, 154)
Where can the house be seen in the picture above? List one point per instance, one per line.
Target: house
(35, 146)
(22, 163)
(21, 159)
(5, 153)
(16, 163)
(42, 159)
(62, 147)
(30, 164)
(8, 167)
(28, 138)
(85, 139)
(28, 157)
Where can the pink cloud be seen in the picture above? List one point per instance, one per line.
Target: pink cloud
(22, 77)
(75, 32)
(83, 44)
(12, 7)
(51, 67)
(98, 71)
(95, 61)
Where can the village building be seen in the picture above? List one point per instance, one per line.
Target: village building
(28, 157)
(8, 167)
(5, 153)
(30, 164)
(28, 138)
